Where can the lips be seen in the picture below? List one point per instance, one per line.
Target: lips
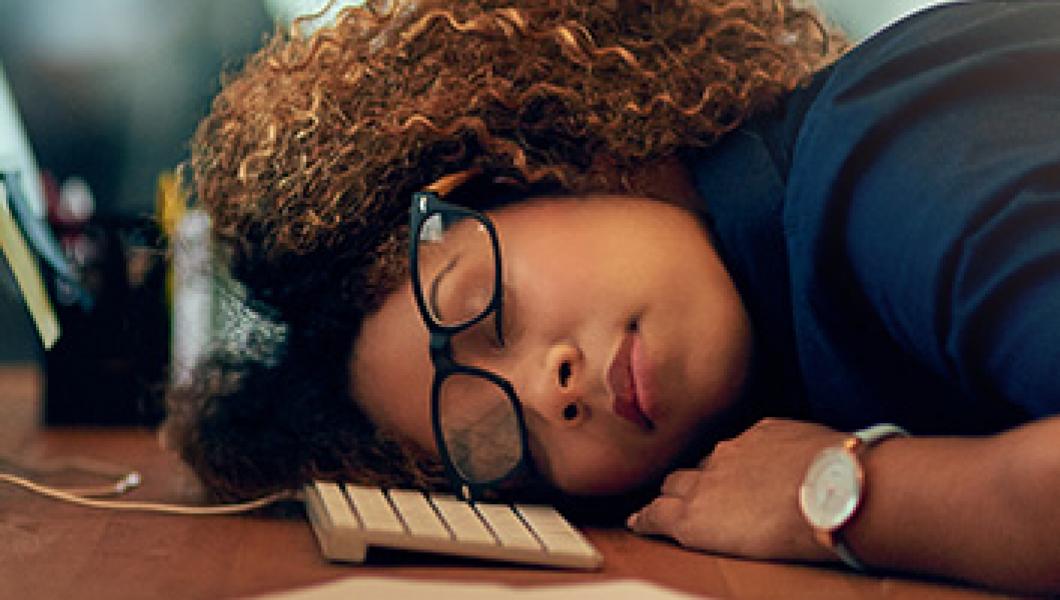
(622, 376)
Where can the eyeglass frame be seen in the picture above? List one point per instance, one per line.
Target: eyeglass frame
(426, 204)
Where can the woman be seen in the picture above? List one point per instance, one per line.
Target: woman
(684, 220)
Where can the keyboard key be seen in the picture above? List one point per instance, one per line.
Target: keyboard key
(555, 533)
(464, 522)
(374, 509)
(336, 506)
(509, 529)
(419, 516)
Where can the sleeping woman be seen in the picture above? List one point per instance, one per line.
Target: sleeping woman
(804, 296)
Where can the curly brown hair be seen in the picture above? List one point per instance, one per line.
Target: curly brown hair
(308, 157)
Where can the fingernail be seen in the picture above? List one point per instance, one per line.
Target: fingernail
(631, 522)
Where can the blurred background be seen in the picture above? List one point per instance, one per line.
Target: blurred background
(100, 98)
(109, 91)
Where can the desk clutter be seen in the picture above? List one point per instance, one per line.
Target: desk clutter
(101, 282)
(348, 519)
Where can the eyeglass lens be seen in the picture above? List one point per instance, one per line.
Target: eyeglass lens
(456, 268)
(479, 426)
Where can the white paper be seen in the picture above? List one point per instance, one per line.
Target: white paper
(396, 589)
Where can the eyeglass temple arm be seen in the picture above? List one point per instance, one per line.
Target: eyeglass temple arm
(446, 184)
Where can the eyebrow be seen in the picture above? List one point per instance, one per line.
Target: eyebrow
(432, 294)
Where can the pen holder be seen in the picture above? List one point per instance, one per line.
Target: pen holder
(108, 365)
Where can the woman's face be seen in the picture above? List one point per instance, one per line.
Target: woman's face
(624, 336)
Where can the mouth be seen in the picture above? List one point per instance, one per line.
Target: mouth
(625, 379)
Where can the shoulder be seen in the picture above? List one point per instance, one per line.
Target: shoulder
(923, 186)
(948, 33)
(959, 96)
(951, 54)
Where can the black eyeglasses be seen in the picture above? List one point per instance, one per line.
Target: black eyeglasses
(455, 262)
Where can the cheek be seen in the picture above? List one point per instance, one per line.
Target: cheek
(396, 402)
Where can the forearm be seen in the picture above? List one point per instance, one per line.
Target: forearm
(978, 509)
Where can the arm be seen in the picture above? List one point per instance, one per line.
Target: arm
(977, 509)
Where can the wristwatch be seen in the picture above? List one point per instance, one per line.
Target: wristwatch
(834, 488)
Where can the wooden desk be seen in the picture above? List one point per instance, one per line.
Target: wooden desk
(50, 549)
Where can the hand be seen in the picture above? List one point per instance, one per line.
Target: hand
(743, 497)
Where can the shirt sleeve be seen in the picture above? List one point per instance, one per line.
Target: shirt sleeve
(936, 148)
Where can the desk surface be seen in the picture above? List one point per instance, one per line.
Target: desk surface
(50, 549)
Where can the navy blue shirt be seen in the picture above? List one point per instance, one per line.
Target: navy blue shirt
(894, 228)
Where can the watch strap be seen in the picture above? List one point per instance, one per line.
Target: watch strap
(878, 433)
(846, 555)
(866, 437)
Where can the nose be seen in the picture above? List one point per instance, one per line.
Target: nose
(559, 393)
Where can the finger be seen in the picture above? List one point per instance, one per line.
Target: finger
(659, 517)
(680, 483)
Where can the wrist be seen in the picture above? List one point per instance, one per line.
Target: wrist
(835, 487)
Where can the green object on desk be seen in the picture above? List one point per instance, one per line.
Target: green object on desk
(27, 275)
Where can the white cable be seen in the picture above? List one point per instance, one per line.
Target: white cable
(132, 480)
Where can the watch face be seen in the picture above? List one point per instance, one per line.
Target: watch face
(831, 489)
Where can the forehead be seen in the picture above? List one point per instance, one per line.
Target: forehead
(610, 228)
(537, 217)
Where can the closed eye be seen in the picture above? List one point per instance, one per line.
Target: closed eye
(432, 293)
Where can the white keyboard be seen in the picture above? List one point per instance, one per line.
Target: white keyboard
(347, 519)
